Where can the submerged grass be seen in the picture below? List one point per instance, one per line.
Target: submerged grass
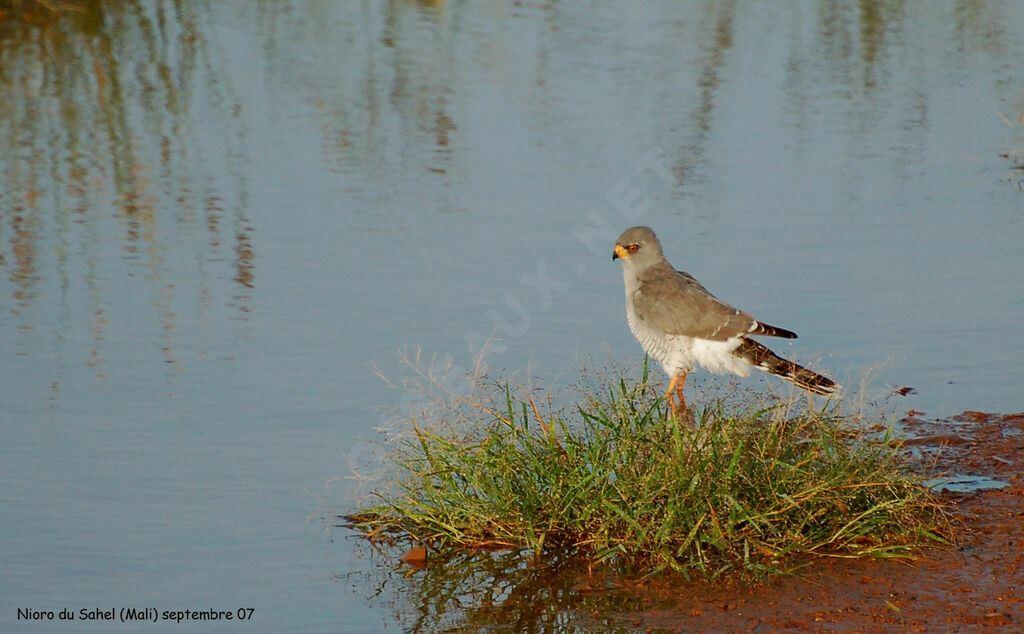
(749, 490)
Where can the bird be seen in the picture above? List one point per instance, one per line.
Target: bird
(680, 324)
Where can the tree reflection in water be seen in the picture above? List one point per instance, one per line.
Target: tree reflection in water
(121, 161)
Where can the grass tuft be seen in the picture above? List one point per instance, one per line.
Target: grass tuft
(747, 489)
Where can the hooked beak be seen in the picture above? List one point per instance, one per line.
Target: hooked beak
(620, 252)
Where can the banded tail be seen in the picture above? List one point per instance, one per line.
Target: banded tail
(761, 357)
(759, 328)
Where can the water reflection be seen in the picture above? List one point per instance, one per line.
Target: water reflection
(881, 62)
(122, 155)
(1014, 148)
(500, 590)
(382, 86)
(401, 87)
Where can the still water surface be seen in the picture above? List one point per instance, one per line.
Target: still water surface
(215, 218)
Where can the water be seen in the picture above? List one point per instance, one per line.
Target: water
(214, 219)
(965, 483)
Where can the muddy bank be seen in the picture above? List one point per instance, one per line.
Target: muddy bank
(977, 584)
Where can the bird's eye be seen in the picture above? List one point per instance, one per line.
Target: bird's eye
(633, 248)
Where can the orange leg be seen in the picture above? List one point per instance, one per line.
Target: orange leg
(669, 392)
(679, 393)
(675, 386)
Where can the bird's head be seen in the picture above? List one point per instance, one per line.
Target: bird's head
(637, 246)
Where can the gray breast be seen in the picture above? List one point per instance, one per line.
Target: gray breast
(672, 353)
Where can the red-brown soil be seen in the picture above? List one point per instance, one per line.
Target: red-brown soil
(976, 585)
